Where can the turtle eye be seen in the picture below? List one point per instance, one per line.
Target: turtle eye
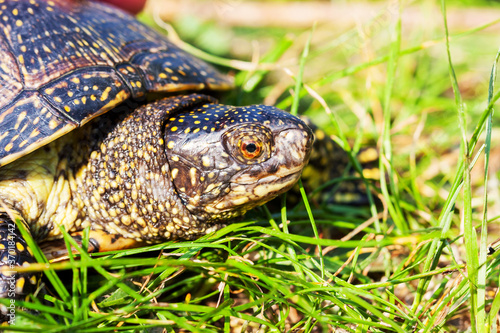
(249, 144)
(250, 148)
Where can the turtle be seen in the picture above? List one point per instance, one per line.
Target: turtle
(107, 126)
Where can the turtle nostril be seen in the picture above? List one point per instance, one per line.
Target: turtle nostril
(310, 139)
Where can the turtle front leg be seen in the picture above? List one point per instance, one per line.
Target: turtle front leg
(99, 241)
(14, 252)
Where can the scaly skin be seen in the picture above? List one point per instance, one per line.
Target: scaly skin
(143, 176)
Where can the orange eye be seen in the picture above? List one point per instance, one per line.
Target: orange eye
(251, 149)
(249, 144)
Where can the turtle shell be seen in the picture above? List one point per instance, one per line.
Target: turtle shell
(65, 62)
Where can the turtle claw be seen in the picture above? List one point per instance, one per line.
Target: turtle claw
(99, 241)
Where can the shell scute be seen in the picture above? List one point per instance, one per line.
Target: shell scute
(84, 91)
(28, 123)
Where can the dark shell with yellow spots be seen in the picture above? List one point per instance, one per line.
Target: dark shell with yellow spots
(64, 62)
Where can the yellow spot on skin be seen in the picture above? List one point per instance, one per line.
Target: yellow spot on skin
(126, 220)
(140, 221)
(174, 173)
(112, 212)
(19, 23)
(235, 202)
(173, 129)
(205, 161)
(192, 174)
(33, 279)
(20, 285)
(239, 189)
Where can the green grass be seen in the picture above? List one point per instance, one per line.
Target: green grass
(413, 259)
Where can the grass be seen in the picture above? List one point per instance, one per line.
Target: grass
(413, 259)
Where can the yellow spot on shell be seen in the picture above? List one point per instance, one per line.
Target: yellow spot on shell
(53, 124)
(19, 247)
(105, 94)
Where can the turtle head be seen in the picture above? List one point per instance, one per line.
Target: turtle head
(225, 160)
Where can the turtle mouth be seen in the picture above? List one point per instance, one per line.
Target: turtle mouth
(282, 174)
(248, 192)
